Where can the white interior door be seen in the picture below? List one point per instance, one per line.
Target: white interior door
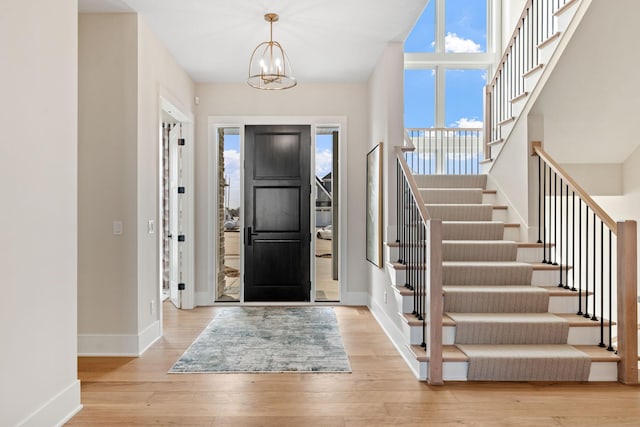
(175, 217)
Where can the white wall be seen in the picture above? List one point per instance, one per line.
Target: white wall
(38, 80)
(158, 75)
(123, 70)
(386, 112)
(307, 99)
(107, 157)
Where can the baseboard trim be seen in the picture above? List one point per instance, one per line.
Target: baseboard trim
(148, 337)
(123, 345)
(58, 410)
(395, 335)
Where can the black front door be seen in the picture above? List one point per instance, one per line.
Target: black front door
(277, 235)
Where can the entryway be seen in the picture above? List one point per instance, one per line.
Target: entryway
(276, 218)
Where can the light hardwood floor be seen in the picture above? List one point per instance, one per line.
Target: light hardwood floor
(381, 391)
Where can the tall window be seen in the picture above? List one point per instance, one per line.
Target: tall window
(448, 59)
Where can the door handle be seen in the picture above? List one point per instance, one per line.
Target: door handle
(250, 234)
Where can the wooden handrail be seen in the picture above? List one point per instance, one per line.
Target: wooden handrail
(536, 148)
(433, 295)
(424, 213)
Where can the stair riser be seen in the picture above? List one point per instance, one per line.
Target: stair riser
(529, 255)
(405, 302)
(457, 181)
(412, 334)
(518, 106)
(531, 80)
(500, 215)
(453, 275)
(545, 277)
(547, 51)
(489, 198)
(523, 254)
(557, 304)
(397, 276)
(564, 19)
(578, 335)
(457, 371)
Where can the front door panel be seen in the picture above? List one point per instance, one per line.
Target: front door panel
(277, 231)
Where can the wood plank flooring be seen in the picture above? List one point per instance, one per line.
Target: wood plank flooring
(381, 391)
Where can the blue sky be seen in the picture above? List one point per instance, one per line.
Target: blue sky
(465, 32)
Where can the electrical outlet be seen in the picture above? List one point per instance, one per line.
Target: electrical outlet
(151, 226)
(152, 306)
(385, 297)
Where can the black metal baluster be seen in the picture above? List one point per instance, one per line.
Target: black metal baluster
(544, 213)
(580, 256)
(566, 240)
(601, 344)
(610, 348)
(559, 243)
(595, 250)
(573, 244)
(586, 262)
(555, 219)
(408, 283)
(551, 236)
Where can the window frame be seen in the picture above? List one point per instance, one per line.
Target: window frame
(441, 61)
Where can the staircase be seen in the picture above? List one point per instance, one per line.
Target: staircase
(504, 317)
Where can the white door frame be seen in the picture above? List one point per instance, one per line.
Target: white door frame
(187, 180)
(217, 122)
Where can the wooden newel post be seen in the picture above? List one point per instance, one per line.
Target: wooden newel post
(435, 303)
(627, 302)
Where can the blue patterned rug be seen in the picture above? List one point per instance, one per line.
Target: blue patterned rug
(267, 339)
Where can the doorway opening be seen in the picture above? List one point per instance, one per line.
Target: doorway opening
(175, 211)
(327, 286)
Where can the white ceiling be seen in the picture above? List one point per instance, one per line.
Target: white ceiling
(326, 40)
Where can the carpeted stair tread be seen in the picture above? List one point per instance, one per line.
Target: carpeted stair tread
(461, 212)
(479, 250)
(472, 230)
(558, 362)
(451, 181)
(510, 328)
(451, 195)
(495, 299)
(497, 273)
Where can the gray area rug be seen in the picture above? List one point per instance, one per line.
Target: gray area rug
(267, 339)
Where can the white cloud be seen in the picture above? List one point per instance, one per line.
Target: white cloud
(324, 161)
(455, 44)
(466, 122)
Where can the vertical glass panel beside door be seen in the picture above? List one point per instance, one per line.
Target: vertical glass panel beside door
(228, 278)
(326, 215)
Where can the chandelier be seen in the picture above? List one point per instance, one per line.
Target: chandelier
(269, 67)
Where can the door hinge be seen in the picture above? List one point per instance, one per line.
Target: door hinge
(180, 190)
(181, 238)
(181, 286)
(181, 141)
